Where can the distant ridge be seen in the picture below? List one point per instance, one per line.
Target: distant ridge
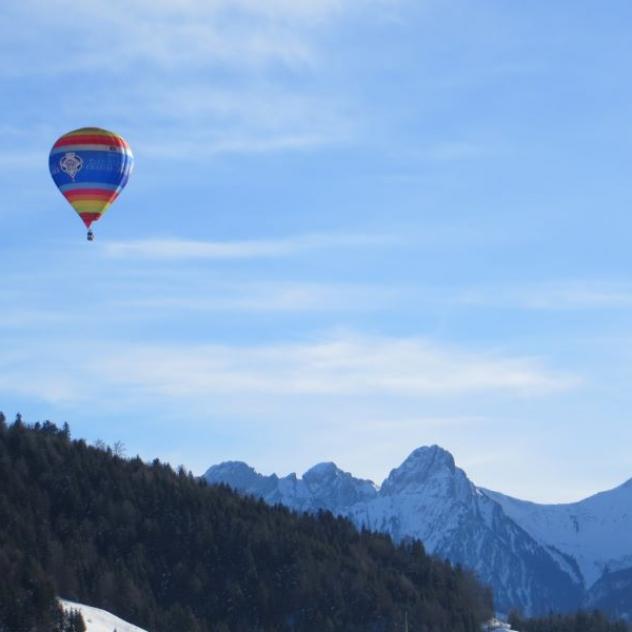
(535, 557)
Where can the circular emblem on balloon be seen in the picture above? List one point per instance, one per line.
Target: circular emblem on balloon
(71, 164)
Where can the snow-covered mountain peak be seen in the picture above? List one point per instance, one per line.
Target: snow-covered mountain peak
(419, 469)
(322, 471)
(237, 472)
(335, 488)
(324, 486)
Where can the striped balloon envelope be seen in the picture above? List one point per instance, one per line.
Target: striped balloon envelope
(90, 166)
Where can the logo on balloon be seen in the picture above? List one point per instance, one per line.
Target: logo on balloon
(71, 164)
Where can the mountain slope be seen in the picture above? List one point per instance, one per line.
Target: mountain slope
(430, 499)
(612, 593)
(596, 531)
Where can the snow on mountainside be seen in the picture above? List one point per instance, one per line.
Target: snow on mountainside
(430, 499)
(596, 531)
(97, 620)
(537, 557)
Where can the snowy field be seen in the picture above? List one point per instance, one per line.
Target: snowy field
(99, 620)
(496, 625)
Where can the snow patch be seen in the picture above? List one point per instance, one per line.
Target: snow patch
(495, 625)
(98, 620)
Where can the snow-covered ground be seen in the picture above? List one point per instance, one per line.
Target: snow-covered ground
(97, 620)
(495, 625)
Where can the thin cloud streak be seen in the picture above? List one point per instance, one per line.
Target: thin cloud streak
(235, 144)
(267, 297)
(247, 249)
(348, 366)
(553, 296)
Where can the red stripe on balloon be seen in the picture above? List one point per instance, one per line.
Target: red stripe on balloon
(88, 218)
(90, 139)
(90, 194)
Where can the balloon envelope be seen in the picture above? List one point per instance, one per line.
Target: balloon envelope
(90, 166)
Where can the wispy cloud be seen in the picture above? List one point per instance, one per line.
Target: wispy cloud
(167, 34)
(345, 365)
(263, 297)
(247, 249)
(213, 77)
(240, 143)
(567, 295)
(174, 34)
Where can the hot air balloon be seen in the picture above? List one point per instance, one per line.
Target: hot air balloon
(90, 166)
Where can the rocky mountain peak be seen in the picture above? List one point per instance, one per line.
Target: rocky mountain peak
(235, 472)
(422, 465)
(320, 471)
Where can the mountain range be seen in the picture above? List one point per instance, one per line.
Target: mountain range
(536, 557)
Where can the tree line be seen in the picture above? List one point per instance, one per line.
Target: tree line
(168, 552)
(578, 622)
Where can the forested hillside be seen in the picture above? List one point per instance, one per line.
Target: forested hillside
(579, 622)
(167, 552)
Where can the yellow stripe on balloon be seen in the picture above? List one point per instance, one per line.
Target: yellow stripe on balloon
(90, 206)
(89, 130)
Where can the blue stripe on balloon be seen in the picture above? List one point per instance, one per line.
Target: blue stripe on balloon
(87, 147)
(103, 177)
(112, 159)
(99, 167)
(88, 185)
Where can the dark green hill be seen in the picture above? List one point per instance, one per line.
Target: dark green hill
(594, 621)
(171, 554)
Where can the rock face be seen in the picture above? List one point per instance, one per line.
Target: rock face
(612, 593)
(323, 486)
(535, 557)
(430, 499)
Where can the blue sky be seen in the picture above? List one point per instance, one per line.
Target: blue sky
(353, 228)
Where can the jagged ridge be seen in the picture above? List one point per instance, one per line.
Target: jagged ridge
(429, 498)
